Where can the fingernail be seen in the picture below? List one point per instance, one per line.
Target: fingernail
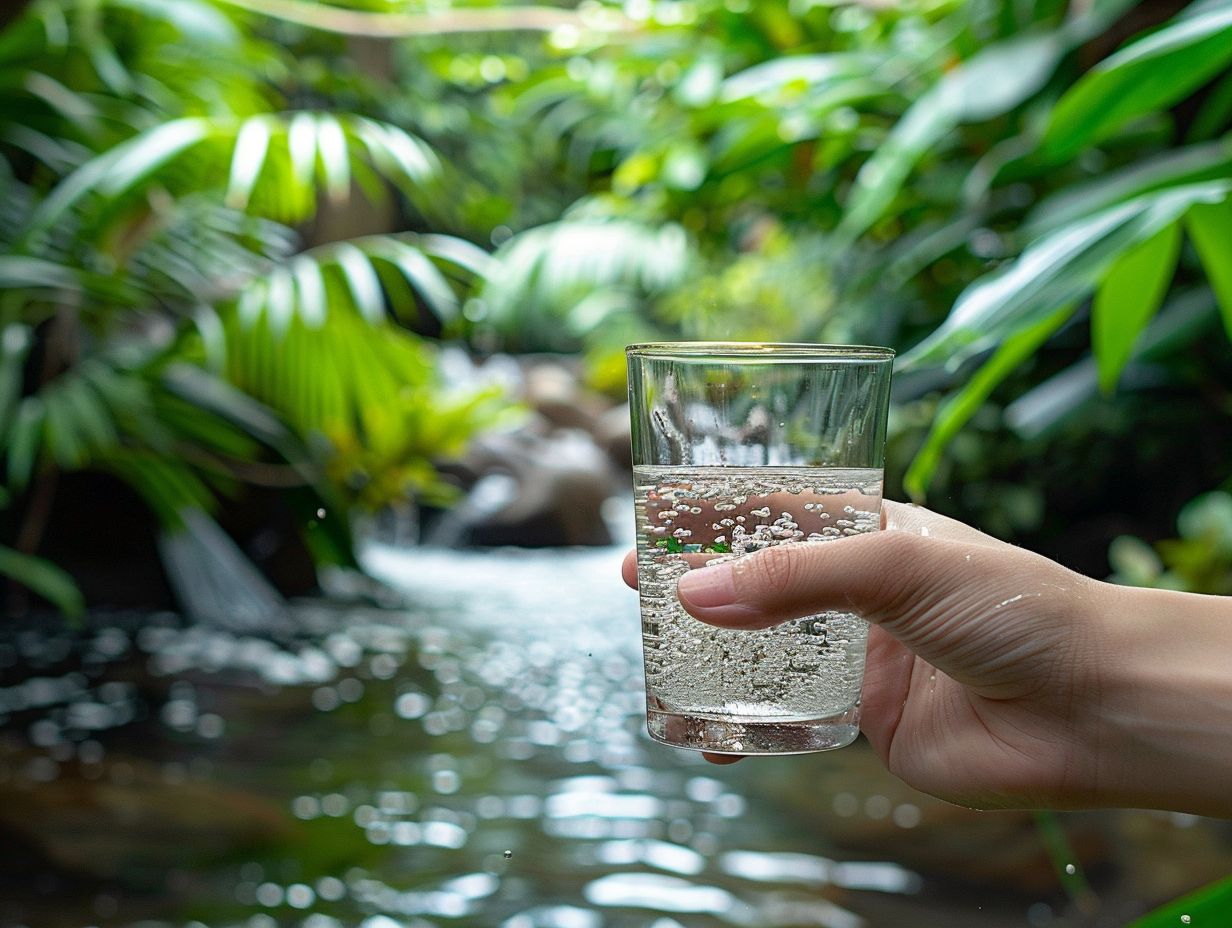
(708, 587)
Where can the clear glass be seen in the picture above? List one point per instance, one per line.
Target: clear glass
(739, 447)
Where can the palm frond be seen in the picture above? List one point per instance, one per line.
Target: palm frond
(370, 277)
(44, 578)
(277, 164)
(540, 277)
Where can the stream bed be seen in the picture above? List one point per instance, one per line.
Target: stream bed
(469, 750)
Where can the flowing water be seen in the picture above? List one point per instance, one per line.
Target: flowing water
(476, 759)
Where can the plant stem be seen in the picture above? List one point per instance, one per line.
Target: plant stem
(1068, 867)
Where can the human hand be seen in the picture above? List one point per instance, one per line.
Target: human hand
(995, 677)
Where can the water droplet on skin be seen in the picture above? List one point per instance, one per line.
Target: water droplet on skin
(508, 854)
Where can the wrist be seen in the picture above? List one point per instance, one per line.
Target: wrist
(1162, 735)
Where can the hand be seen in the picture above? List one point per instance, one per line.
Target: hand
(998, 678)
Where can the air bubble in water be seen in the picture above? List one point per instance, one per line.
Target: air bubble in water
(508, 854)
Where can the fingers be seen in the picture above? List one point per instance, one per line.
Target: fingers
(879, 575)
(976, 610)
(628, 569)
(899, 517)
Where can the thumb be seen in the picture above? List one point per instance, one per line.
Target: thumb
(972, 610)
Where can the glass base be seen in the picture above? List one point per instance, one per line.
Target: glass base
(729, 734)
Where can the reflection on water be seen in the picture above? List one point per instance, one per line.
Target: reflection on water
(476, 760)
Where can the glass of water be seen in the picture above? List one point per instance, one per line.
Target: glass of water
(739, 447)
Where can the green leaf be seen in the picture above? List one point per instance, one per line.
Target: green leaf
(74, 107)
(1188, 165)
(1147, 76)
(220, 398)
(135, 160)
(15, 344)
(118, 169)
(396, 152)
(362, 280)
(310, 291)
(543, 274)
(1186, 317)
(44, 578)
(1207, 906)
(213, 336)
(988, 84)
(248, 305)
(1128, 297)
(1214, 116)
(797, 73)
(95, 425)
(456, 251)
(24, 441)
(1210, 229)
(280, 300)
(699, 85)
(335, 158)
(197, 22)
(961, 406)
(247, 159)
(302, 147)
(65, 441)
(17, 272)
(1060, 269)
(1134, 562)
(420, 273)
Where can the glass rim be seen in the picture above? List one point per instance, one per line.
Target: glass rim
(759, 351)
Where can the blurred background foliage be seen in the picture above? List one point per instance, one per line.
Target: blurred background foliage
(233, 235)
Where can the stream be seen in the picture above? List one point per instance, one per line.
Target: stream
(469, 750)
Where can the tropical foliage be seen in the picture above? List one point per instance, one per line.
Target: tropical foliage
(161, 319)
(1029, 200)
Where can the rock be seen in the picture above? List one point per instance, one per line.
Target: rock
(612, 434)
(543, 484)
(554, 392)
(128, 819)
(552, 491)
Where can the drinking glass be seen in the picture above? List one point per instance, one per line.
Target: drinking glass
(739, 447)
